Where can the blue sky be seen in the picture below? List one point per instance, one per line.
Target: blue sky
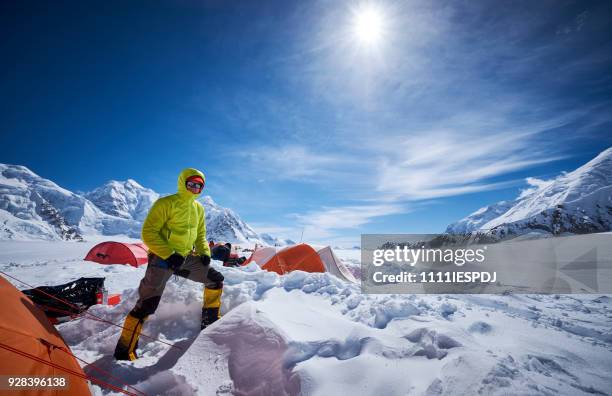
(300, 123)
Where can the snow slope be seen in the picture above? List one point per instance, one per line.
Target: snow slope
(313, 334)
(578, 202)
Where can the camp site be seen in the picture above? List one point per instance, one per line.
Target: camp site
(306, 198)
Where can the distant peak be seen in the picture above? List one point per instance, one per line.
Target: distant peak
(134, 183)
(127, 183)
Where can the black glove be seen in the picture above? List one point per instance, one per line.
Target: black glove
(216, 277)
(205, 260)
(175, 261)
(232, 262)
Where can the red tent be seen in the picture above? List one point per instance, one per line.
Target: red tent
(134, 254)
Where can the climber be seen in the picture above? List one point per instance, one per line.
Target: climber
(221, 251)
(175, 233)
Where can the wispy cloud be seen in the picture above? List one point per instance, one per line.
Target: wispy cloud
(444, 163)
(322, 223)
(397, 171)
(293, 161)
(299, 162)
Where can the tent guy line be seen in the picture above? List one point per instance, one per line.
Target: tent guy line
(92, 316)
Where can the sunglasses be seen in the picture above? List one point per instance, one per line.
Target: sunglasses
(194, 185)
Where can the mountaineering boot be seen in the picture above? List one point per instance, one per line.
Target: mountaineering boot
(212, 306)
(128, 341)
(209, 316)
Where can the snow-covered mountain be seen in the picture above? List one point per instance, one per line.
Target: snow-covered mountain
(223, 224)
(577, 202)
(128, 199)
(479, 218)
(274, 241)
(32, 207)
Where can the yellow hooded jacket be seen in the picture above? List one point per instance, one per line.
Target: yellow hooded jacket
(176, 223)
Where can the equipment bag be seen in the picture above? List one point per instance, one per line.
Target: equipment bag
(81, 294)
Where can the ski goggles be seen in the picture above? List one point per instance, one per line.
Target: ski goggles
(194, 187)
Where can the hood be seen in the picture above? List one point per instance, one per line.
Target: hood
(185, 174)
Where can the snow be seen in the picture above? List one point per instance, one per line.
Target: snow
(317, 335)
(13, 227)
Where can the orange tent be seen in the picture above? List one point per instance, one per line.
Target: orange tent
(24, 330)
(302, 257)
(134, 254)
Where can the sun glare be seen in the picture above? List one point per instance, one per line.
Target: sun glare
(368, 25)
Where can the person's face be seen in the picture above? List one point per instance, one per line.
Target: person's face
(195, 187)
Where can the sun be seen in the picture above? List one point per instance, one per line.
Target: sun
(368, 25)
